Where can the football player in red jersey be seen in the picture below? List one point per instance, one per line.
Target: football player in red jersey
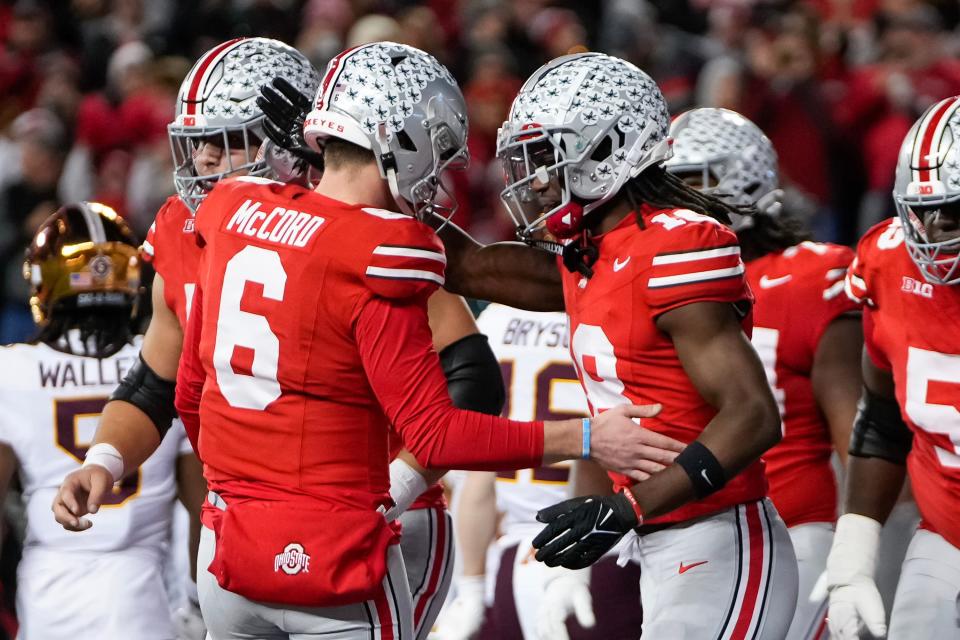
(216, 134)
(309, 336)
(473, 380)
(654, 286)
(805, 329)
(906, 273)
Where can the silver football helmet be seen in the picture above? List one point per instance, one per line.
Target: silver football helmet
(730, 157)
(586, 122)
(928, 175)
(404, 106)
(219, 98)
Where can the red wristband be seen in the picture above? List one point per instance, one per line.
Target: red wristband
(633, 502)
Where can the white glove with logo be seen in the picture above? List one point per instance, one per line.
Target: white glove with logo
(462, 618)
(567, 593)
(188, 620)
(855, 603)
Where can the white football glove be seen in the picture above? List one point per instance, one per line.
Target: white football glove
(567, 593)
(406, 485)
(462, 618)
(188, 620)
(855, 603)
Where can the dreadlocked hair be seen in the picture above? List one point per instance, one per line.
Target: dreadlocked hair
(103, 331)
(771, 233)
(658, 188)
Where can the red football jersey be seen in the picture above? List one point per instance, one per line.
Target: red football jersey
(296, 341)
(799, 292)
(912, 329)
(171, 247)
(679, 258)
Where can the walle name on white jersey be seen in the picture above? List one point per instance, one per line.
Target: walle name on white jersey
(534, 333)
(279, 225)
(84, 372)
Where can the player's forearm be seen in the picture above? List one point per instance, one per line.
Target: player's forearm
(130, 431)
(510, 273)
(737, 436)
(587, 478)
(872, 487)
(476, 521)
(836, 378)
(473, 441)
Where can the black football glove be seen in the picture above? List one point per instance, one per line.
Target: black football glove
(285, 108)
(580, 530)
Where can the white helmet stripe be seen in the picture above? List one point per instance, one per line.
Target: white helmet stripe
(94, 223)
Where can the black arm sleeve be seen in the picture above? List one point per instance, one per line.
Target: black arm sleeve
(150, 393)
(879, 430)
(473, 375)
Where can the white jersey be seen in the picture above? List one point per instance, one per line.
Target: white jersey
(534, 353)
(51, 404)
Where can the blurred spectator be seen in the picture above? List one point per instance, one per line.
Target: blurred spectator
(372, 28)
(27, 198)
(27, 37)
(150, 181)
(107, 126)
(325, 24)
(882, 100)
(489, 93)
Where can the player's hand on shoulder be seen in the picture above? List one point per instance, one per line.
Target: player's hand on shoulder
(462, 618)
(567, 593)
(580, 530)
(619, 444)
(80, 494)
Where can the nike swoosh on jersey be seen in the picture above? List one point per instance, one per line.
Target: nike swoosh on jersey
(685, 568)
(617, 265)
(769, 283)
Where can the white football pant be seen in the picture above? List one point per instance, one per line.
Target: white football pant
(232, 617)
(729, 575)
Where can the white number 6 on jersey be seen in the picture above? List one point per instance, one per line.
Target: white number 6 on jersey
(238, 328)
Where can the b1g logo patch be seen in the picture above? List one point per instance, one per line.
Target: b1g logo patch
(916, 287)
(292, 560)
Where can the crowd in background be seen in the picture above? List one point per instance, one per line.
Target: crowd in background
(88, 87)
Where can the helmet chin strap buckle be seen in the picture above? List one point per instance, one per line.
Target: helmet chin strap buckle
(579, 257)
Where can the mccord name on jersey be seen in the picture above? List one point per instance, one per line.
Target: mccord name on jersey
(280, 226)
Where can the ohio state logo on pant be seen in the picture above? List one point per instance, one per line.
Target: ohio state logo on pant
(292, 560)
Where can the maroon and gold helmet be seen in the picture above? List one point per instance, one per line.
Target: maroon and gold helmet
(83, 256)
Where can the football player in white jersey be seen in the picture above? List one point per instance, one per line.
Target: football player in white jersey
(84, 270)
(531, 600)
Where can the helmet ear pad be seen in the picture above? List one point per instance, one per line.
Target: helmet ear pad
(567, 221)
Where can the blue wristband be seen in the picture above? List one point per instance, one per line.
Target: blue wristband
(585, 454)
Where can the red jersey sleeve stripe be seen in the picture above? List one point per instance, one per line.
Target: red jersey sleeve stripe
(692, 256)
(147, 248)
(696, 276)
